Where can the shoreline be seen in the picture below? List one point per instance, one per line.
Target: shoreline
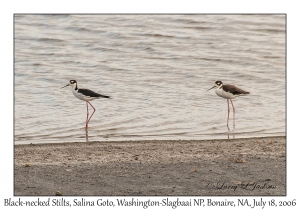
(147, 140)
(246, 166)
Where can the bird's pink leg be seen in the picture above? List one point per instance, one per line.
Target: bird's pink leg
(228, 113)
(87, 116)
(91, 115)
(233, 114)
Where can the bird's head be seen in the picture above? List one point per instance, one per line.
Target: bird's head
(217, 84)
(72, 83)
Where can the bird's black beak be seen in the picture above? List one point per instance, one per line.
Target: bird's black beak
(211, 88)
(65, 86)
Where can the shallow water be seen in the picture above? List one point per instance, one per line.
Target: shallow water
(157, 69)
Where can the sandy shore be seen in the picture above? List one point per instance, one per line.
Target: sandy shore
(254, 166)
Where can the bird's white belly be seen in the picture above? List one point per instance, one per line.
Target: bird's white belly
(81, 96)
(223, 94)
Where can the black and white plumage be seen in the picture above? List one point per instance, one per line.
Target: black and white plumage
(85, 95)
(228, 92)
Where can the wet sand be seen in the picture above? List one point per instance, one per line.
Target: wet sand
(254, 166)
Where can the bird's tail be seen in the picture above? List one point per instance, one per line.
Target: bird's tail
(103, 96)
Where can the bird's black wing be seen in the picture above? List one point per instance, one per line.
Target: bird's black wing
(91, 93)
(234, 90)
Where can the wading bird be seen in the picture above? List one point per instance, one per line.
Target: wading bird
(85, 95)
(228, 92)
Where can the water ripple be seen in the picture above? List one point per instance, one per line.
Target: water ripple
(156, 68)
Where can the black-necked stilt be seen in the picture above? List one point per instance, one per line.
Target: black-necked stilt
(85, 95)
(228, 92)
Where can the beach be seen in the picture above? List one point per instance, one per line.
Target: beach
(248, 166)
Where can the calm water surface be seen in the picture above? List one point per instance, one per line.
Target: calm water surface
(156, 68)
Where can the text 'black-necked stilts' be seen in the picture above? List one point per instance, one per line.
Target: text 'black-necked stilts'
(228, 92)
(85, 95)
